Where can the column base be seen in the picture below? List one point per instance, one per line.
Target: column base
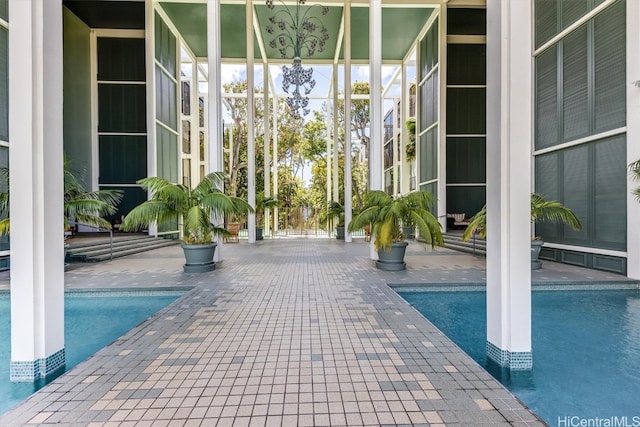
(32, 371)
(518, 360)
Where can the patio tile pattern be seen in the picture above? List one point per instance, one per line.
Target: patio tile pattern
(285, 332)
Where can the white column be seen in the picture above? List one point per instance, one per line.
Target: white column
(195, 126)
(441, 205)
(267, 139)
(375, 107)
(509, 143)
(404, 114)
(251, 111)
(328, 121)
(633, 136)
(214, 100)
(35, 160)
(336, 132)
(275, 162)
(347, 121)
(150, 63)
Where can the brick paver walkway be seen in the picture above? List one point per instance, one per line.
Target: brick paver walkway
(284, 332)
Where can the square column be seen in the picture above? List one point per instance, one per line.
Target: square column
(214, 101)
(509, 142)
(35, 160)
(633, 135)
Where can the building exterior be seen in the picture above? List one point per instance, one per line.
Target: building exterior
(512, 96)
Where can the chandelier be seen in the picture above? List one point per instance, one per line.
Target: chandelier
(297, 33)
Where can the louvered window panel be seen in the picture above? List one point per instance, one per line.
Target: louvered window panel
(546, 20)
(576, 191)
(547, 98)
(466, 159)
(4, 9)
(574, 81)
(546, 184)
(429, 155)
(610, 68)
(572, 10)
(610, 202)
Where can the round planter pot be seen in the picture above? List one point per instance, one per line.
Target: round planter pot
(199, 258)
(536, 246)
(392, 260)
(340, 233)
(259, 235)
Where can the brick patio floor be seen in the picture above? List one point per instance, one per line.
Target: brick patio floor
(284, 332)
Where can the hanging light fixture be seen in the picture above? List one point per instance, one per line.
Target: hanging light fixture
(297, 33)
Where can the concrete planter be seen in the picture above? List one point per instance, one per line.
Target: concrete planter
(536, 246)
(340, 232)
(259, 231)
(199, 258)
(409, 232)
(392, 260)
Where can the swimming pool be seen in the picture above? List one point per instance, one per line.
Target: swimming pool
(586, 350)
(92, 321)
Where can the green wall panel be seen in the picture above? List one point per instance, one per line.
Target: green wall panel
(123, 159)
(466, 111)
(546, 109)
(429, 50)
(466, 64)
(581, 81)
(464, 21)
(610, 68)
(466, 161)
(4, 85)
(121, 59)
(610, 194)
(429, 101)
(591, 180)
(167, 152)
(4, 10)
(428, 152)
(122, 108)
(77, 94)
(433, 189)
(467, 200)
(574, 85)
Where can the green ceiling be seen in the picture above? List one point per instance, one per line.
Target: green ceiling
(400, 27)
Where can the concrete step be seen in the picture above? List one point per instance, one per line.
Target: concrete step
(101, 251)
(104, 240)
(455, 242)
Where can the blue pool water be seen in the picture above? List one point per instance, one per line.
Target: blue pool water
(586, 349)
(91, 323)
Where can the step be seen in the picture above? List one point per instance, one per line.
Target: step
(455, 242)
(100, 251)
(105, 241)
(132, 251)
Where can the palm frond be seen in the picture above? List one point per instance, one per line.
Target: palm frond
(553, 211)
(478, 224)
(4, 226)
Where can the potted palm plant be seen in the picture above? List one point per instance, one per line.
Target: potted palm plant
(263, 203)
(336, 210)
(386, 214)
(195, 207)
(541, 210)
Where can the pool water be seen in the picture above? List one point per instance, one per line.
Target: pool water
(91, 323)
(586, 349)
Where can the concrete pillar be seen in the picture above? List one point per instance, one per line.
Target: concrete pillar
(375, 106)
(347, 121)
(35, 160)
(251, 111)
(267, 140)
(509, 147)
(214, 100)
(276, 213)
(633, 135)
(336, 132)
